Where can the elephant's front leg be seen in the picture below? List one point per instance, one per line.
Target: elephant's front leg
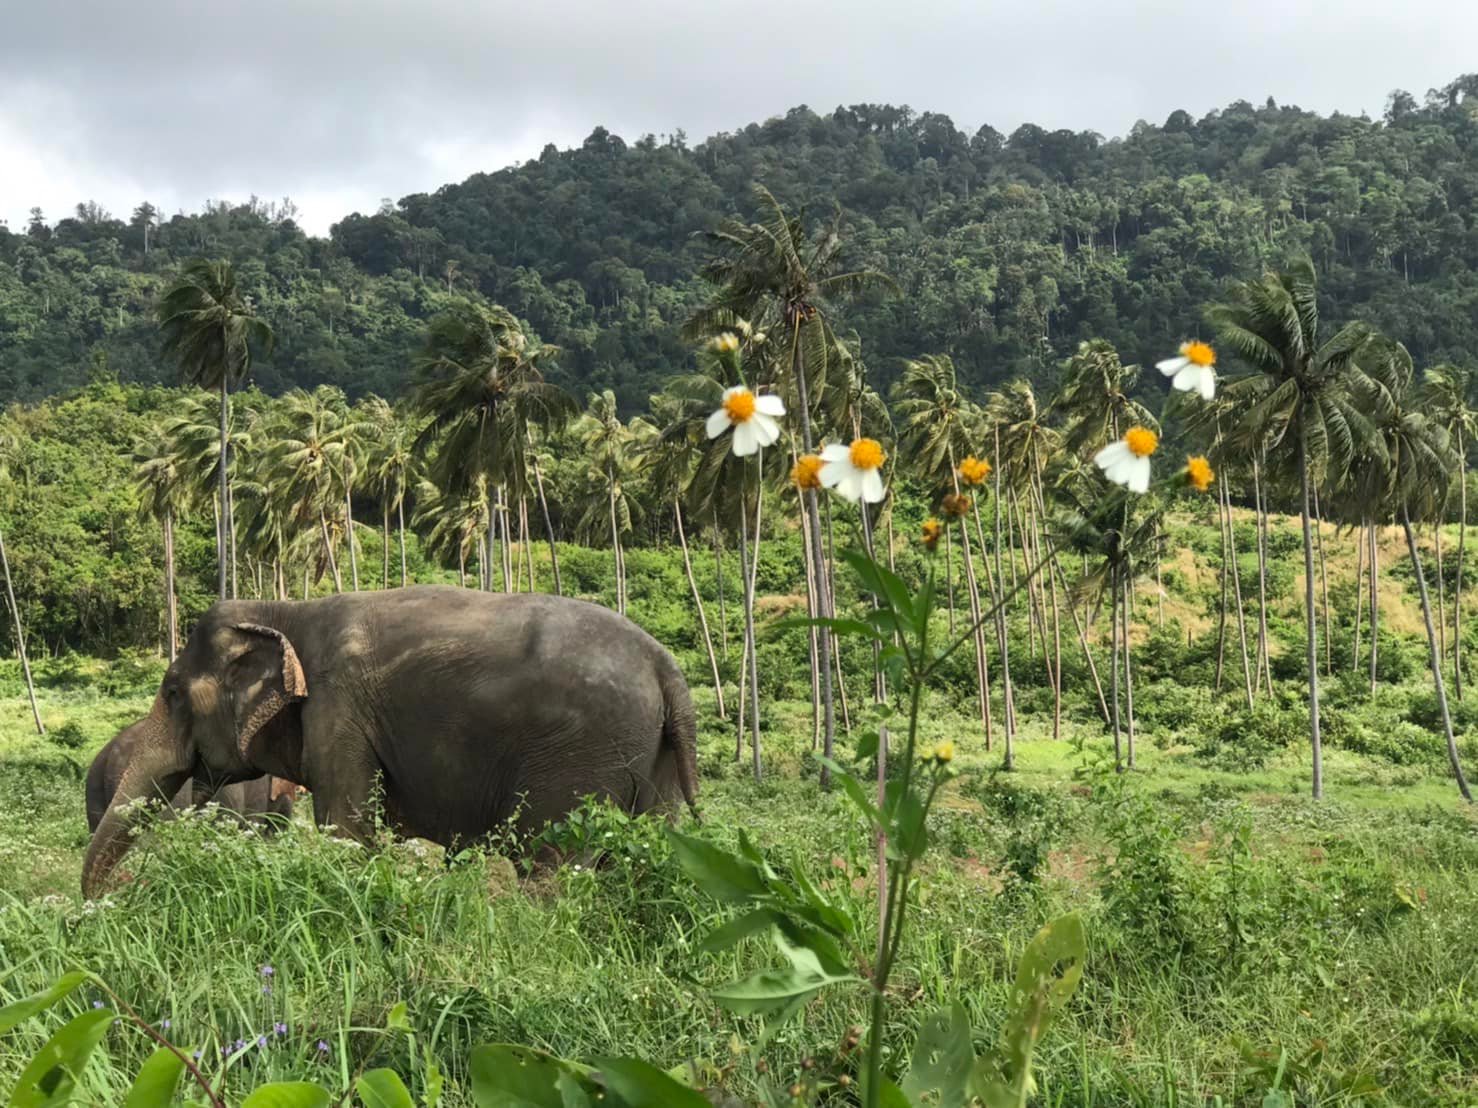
(345, 777)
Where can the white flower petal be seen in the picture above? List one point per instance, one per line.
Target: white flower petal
(718, 423)
(836, 452)
(1171, 366)
(1113, 452)
(732, 389)
(1208, 385)
(766, 430)
(746, 442)
(1139, 475)
(872, 486)
(833, 471)
(850, 486)
(769, 404)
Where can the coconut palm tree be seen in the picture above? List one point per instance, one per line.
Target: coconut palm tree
(308, 463)
(159, 482)
(193, 429)
(210, 331)
(1095, 398)
(1418, 461)
(1295, 409)
(391, 467)
(781, 278)
(611, 447)
(453, 525)
(1445, 395)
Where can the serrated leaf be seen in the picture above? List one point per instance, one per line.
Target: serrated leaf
(22, 1010)
(157, 1079)
(943, 1059)
(288, 1094)
(716, 871)
(637, 1084)
(51, 1075)
(383, 1088)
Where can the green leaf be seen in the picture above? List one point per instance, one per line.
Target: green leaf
(507, 1076)
(640, 1085)
(716, 871)
(1003, 1078)
(572, 1093)
(908, 834)
(774, 988)
(383, 1088)
(22, 1010)
(738, 929)
(842, 627)
(51, 1075)
(431, 1080)
(288, 1094)
(855, 790)
(887, 586)
(397, 1020)
(943, 1059)
(156, 1081)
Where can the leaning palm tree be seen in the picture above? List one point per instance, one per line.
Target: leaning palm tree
(209, 329)
(781, 279)
(1296, 409)
(1445, 395)
(1417, 461)
(160, 485)
(9, 444)
(1095, 398)
(193, 430)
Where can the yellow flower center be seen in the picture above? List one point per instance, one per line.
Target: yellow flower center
(739, 405)
(1199, 353)
(867, 454)
(806, 473)
(974, 470)
(1141, 441)
(1199, 473)
(944, 753)
(726, 343)
(931, 531)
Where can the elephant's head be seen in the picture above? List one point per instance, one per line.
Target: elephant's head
(223, 713)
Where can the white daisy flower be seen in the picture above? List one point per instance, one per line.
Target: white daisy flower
(753, 418)
(1127, 462)
(854, 471)
(1194, 369)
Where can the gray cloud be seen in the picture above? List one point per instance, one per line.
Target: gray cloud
(340, 102)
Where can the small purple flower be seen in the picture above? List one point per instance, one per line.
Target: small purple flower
(261, 1040)
(196, 1055)
(268, 971)
(97, 1003)
(279, 1028)
(322, 1047)
(239, 1044)
(266, 990)
(165, 1025)
(225, 1052)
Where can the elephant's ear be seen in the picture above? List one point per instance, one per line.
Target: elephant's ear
(265, 680)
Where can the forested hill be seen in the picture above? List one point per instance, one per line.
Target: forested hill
(1007, 249)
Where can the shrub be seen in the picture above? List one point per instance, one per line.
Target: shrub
(1248, 738)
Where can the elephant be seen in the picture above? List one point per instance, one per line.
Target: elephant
(261, 796)
(450, 713)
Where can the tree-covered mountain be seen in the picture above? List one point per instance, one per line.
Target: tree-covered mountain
(1007, 250)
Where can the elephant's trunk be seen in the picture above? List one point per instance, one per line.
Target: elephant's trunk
(158, 768)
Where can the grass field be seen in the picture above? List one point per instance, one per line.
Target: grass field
(1243, 939)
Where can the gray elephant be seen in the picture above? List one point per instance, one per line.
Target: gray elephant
(453, 712)
(261, 796)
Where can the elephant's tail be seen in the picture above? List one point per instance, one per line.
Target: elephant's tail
(680, 731)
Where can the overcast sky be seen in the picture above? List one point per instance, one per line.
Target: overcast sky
(338, 103)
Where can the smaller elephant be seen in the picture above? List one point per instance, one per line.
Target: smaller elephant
(253, 799)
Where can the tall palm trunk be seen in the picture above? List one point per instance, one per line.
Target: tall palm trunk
(526, 539)
(1457, 586)
(949, 579)
(1055, 661)
(1374, 602)
(682, 538)
(1116, 601)
(1003, 637)
(1128, 671)
(1441, 589)
(718, 576)
(171, 602)
(223, 523)
(813, 642)
(749, 652)
(548, 526)
(1359, 591)
(349, 536)
(1247, 680)
(385, 545)
(616, 546)
(1226, 581)
(400, 527)
(831, 595)
(1311, 645)
(982, 671)
(823, 591)
(504, 523)
(20, 638)
(1436, 660)
(231, 535)
(1264, 663)
(1323, 587)
(328, 551)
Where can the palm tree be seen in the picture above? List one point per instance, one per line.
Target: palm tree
(307, 459)
(1419, 460)
(453, 525)
(1296, 409)
(780, 278)
(671, 459)
(160, 486)
(1096, 397)
(934, 433)
(209, 329)
(1445, 393)
(610, 445)
(390, 467)
(481, 389)
(9, 444)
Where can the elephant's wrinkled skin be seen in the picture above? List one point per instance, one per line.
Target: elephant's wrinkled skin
(261, 796)
(468, 709)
